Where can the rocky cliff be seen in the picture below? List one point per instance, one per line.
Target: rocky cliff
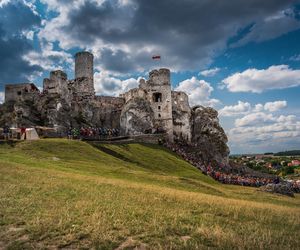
(208, 136)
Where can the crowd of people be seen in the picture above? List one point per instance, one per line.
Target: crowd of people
(92, 133)
(7, 133)
(224, 174)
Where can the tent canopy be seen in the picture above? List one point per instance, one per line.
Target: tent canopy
(31, 134)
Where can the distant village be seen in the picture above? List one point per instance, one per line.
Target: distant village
(280, 164)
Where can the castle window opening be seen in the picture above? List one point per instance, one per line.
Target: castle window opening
(19, 92)
(159, 107)
(157, 97)
(159, 115)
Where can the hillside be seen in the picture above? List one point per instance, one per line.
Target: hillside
(288, 153)
(60, 193)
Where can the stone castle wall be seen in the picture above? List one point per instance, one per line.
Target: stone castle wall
(84, 72)
(134, 93)
(181, 112)
(84, 65)
(107, 111)
(157, 92)
(21, 92)
(56, 83)
(151, 108)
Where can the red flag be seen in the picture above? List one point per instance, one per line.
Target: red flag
(156, 57)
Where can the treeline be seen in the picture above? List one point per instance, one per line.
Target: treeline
(288, 153)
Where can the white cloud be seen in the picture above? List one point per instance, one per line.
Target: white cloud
(105, 84)
(198, 91)
(49, 59)
(295, 58)
(3, 2)
(261, 127)
(1, 97)
(240, 108)
(261, 131)
(210, 72)
(275, 106)
(254, 119)
(29, 34)
(258, 107)
(243, 108)
(257, 81)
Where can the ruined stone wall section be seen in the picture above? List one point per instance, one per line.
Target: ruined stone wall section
(81, 87)
(107, 111)
(134, 93)
(21, 92)
(181, 112)
(57, 83)
(159, 77)
(160, 97)
(102, 101)
(157, 91)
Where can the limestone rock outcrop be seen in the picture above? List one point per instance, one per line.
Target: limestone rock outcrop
(137, 117)
(208, 136)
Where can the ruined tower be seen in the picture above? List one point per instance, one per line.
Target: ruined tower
(84, 72)
(57, 83)
(160, 97)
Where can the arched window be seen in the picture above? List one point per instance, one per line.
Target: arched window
(157, 97)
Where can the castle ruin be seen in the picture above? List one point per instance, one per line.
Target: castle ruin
(152, 107)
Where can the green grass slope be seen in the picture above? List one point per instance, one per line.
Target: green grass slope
(58, 193)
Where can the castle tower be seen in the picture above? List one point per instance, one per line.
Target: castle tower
(57, 83)
(160, 97)
(84, 71)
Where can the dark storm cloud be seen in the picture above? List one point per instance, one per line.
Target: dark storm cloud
(15, 18)
(118, 61)
(187, 33)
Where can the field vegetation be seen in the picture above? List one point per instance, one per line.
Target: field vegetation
(57, 193)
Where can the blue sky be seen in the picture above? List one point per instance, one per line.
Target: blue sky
(241, 57)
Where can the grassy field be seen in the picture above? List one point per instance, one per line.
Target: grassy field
(57, 193)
